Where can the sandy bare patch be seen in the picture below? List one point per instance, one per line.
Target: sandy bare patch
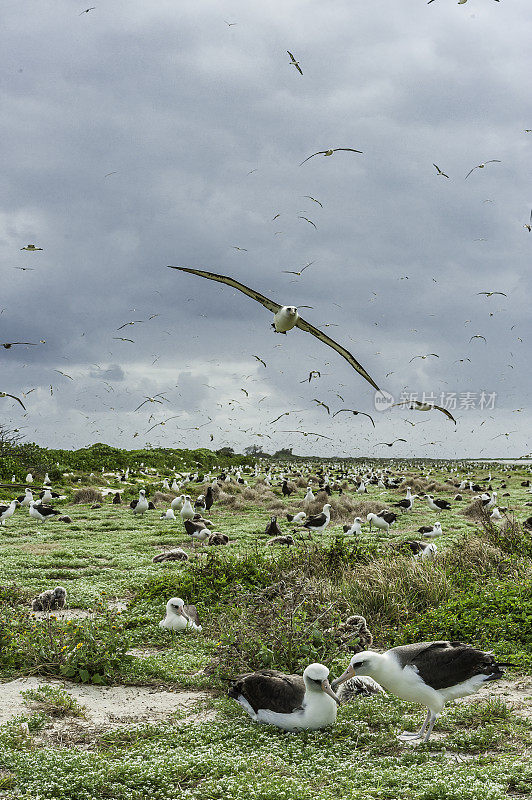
(110, 705)
(517, 694)
(64, 613)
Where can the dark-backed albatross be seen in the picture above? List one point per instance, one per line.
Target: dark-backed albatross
(431, 673)
(290, 702)
(285, 317)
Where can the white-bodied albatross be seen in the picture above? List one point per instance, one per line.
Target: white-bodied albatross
(286, 317)
(290, 702)
(179, 616)
(430, 673)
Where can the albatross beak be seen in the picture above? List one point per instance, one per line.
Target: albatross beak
(326, 686)
(345, 677)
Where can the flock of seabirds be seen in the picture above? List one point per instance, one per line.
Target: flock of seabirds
(429, 673)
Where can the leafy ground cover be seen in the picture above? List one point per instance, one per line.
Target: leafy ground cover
(261, 606)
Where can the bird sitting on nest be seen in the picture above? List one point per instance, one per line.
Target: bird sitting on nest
(355, 529)
(117, 499)
(168, 514)
(431, 673)
(170, 555)
(196, 524)
(423, 550)
(362, 686)
(290, 702)
(180, 617)
(217, 538)
(431, 530)
(297, 519)
(288, 540)
(272, 528)
(50, 600)
(353, 634)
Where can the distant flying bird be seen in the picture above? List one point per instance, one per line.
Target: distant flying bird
(478, 336)
(86, 10)
(352, 411)
(440, 172)
(309, 433)
(490, 294)
(135, 321)
(152, 400)
(326, 407)
(428, 354)
(31, 248)
(330, 152)
(389, 444)
(286, 317)
(230, 24)
(25, 269)
(294, 63)
(313, 199)
(12, 396)
(285, 414)
(7, 345)
(122, 339)
(291, 272)
(417, 405)
(243, 249)
(528, 226)
(309, 221)
(503, 434)
(481, 166)
(261, 361)
(315, 373)
(64, 373)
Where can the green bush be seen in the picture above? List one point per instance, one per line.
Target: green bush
(485, 616)
(91, 650)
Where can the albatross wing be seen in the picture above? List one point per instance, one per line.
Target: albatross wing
(306, 326)
(212, 276)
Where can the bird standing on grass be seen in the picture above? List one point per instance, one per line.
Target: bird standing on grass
(431, 673)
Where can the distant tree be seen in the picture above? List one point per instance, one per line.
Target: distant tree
(10, 438)
(225, 451)
(254, 450)
(284, 453)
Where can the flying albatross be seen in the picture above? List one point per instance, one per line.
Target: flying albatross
(286, 317)
(431, 673)
(290, 702)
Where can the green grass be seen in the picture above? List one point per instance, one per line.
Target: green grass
(477, 589)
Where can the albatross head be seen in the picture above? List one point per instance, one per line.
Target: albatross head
(316, 677)
(361, 664)
(175, 606)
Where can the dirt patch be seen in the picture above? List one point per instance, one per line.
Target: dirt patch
(109, 705)
(64, 613)
(517, 694)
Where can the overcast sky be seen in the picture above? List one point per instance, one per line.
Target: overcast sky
(143, 134)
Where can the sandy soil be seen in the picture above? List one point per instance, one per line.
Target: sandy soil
(109, 706)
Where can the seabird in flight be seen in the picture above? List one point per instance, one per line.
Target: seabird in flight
(285, 317)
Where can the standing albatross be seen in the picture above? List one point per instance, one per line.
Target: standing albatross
(286, 317)
(290, 702)
(427, 672)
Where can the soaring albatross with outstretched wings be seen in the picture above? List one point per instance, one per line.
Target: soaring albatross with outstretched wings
(286, 317)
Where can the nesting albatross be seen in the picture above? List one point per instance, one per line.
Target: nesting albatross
(427, 672)
(290, 702)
